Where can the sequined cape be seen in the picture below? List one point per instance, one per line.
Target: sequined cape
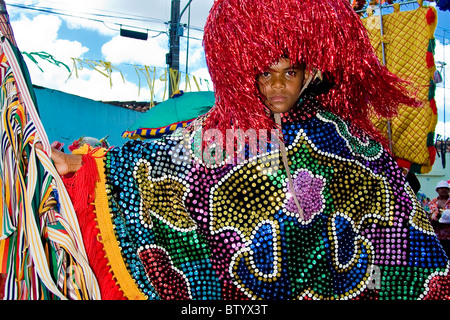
(184, 230)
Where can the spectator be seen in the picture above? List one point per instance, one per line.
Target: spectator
(439, 222)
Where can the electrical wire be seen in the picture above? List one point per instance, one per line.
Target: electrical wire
(62, 12)
(97, 16)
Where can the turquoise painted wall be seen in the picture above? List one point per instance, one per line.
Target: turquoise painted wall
(68, 117)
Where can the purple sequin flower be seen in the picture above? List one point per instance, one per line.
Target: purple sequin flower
(309, 194)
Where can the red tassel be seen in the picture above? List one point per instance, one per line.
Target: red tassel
(430, 59)
(432, 151)
(403, 163)
(81, 189)
(431, 17)
(433, 106)
(82, 185)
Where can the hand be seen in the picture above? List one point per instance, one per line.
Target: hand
(434, 216)
(64, 163)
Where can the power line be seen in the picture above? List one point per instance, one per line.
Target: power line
(132, 16)
(64, 12)
(50, 11)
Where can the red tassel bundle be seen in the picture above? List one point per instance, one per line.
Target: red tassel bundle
(81, 189)
(433, 106)
(430, 59)
(244, 37)
(82, 185)
(431, 17)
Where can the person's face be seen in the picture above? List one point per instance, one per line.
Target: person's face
(443, 192)
(281, 85)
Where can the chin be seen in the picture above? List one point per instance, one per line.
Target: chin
(282, 109)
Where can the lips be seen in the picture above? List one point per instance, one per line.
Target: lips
(278, 98)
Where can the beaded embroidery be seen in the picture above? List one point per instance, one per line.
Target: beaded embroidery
(190, 231)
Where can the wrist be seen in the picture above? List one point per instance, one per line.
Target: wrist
(74, 162)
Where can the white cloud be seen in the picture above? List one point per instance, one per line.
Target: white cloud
(103, 90)
(196, 57)
(442, 95)
(125, 50)
(205, 79)
(103, 29)
(440, 129)
(31, 38)
(441, 52)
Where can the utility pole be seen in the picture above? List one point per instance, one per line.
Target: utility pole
(173, 57)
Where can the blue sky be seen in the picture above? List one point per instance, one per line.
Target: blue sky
(89, 30)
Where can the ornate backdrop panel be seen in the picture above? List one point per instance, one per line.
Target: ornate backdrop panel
(406, 42)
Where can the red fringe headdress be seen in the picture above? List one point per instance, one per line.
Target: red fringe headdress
(244, 37)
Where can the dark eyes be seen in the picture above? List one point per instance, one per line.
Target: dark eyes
(289, 73)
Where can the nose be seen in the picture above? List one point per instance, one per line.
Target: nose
(277, 82)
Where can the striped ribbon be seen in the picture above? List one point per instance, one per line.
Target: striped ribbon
(41, 246)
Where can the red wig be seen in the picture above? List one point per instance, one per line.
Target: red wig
(244, 37)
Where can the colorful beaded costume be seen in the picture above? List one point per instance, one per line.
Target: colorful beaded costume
(326, 215)
(193, 231)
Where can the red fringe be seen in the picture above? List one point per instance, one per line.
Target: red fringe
(2, 285)
(243, 38)
(433, 106)
(432, 152)
(81, 189)
(431, 17)
(82, 185)
(430, 59)
(403, 163)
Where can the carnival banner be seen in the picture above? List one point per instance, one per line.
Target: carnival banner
(173, 80)
(41, 245)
